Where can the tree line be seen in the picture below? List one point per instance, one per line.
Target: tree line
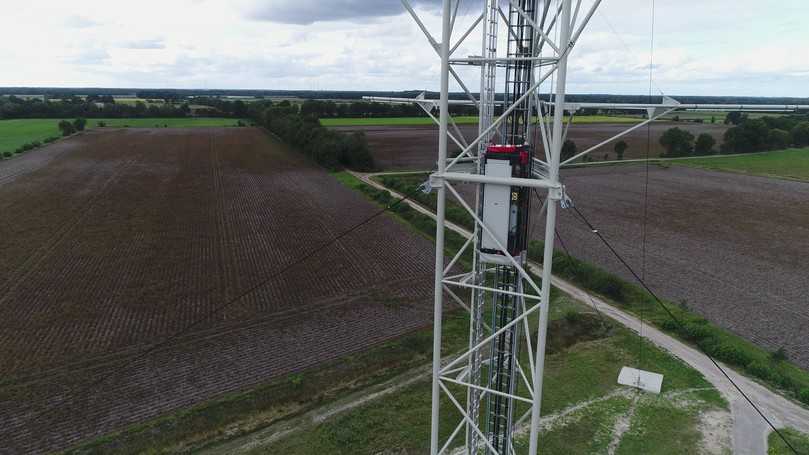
(747, 136)
(303, 131)
(98, 106)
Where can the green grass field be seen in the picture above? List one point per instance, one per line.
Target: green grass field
(461, 120)
(799, 441)
(15, 133)
(789, 164)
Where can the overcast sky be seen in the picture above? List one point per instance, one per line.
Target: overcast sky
(706, 47)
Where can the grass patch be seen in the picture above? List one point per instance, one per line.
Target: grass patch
(583, 371)
(800, 441)
(660, 427)
(789, 164)
(460, 120)
(16, 133)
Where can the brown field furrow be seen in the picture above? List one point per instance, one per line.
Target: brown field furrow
(175, 222)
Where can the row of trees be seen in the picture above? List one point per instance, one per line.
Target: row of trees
(679, 142)
(325, 109)
(766, 133)
(749, 135)
(328, 148)
(13, 107)
(95, 106)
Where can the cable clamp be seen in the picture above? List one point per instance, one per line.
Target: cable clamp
(566, 201)
(435, 181)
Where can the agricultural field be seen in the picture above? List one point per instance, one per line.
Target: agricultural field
(729, 247)
(161, 227)
(460, 120)
(411, 148)
(15, 133)
(788, 164)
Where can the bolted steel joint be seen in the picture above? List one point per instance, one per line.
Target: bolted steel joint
(555, 194)
(436, 181)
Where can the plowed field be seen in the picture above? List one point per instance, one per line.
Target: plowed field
(115, 240)
(413, 148)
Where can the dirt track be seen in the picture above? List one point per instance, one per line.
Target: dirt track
(403, 148)
(116, 239)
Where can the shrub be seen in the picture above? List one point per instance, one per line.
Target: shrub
(101, 124)
(36, 144)
(677, 142)
(804, 396)
(731, 354)
(66, 128)
(704, 145)
(8, 154)
(761, 370)
(79, 124)
(800, 134)
(779, 355)
(778, 139)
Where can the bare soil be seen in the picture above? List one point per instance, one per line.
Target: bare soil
(399, 148)
(731, 247)
(115, 240)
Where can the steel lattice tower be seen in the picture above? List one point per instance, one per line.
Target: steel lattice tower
(506, 167)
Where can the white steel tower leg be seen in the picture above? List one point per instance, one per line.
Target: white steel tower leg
(550, 226)
(439, 231)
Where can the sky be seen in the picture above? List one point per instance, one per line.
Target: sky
(706, 47)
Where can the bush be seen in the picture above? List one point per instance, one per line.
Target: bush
(704, 145)
(66, 128)
(761, 370)
(731, 354)
(800, 134)
(79, 124)
(101, 124)
(8, 154)
(677, 142)
(804, 396)
(779, 355)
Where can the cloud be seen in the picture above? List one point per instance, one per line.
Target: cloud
(305, 12)
(88, 57)
(144, 44)
(80, 22)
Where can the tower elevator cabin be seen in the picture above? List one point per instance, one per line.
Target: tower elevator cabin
(505, 210)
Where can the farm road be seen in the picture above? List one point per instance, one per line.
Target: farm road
(749, 429)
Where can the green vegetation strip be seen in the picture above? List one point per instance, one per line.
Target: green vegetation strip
(790, 164)
(771, 368)
(461, 120)
(15, 134)
(799, 441)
